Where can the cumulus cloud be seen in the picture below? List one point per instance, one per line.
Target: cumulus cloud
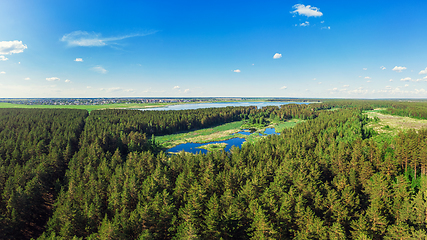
(277, 56)
(325, 27)
(382, 68)
(27, 78)
(2, 72)
(284, 87)
(85, 39)
(346, 86)
(359, 90)
(319, 82)
(307, 11)
(305, 24)
(176, 87)
(112, 89)
(10, 47)
(99, 69)
(367, 77)
(314, 79)
(187, 91)
(406, 85)
(67, 81)
(52, 79)
(423, 71)
(365, 69)
(3, 58)
(398, 69)
(368, 81)
(78, 60)
(115, 89)
(237, 70)
(391, 80)
(406, 79)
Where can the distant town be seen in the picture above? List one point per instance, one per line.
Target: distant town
(103, 101)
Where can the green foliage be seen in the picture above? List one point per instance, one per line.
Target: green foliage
(67, 175)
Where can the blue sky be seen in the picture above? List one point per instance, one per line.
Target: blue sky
(319, 49)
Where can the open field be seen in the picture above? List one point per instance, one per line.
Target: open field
(87, 107)
(219, 133)
(391, 125)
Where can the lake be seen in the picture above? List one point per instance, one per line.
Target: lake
(219, 105)
(193, 147)
(236, 142)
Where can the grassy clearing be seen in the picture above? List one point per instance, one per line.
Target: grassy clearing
(219, 133)
(389, 125)
(88, 107)
(214, 146)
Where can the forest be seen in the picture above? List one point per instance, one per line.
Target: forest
(68, 174)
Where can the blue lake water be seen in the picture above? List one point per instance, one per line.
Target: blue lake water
(220, 105)
(269, 131)
(192, 147)
(237, 142)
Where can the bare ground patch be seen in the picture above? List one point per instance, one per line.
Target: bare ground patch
(393, 124)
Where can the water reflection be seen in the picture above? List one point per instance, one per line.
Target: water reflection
(220, 105)
(237, 142)
(193, 147)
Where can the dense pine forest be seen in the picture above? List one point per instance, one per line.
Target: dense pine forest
(68, 174)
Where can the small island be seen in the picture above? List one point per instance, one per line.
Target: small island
(214, 146)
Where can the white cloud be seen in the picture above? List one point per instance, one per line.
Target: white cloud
(398, 69)
(322, 22)
(78, 60)
(237, 70)
(365, 69)
(52, 79)
(382, 68)
(406, 79)
(113, 89)
(423, 71)
(277, 56)
(368, 81)
(391, 80)
(88, 87)
(85, 39)
(368, 78)
(3, 58)
(187, 91)
(305, 24)
(325, 27)
(2, 72)
(99, 69)
(346, 86)
(406, 85)
(284, 87)
(319, 82)
(308, 10)
(424, 79)
(10, 47)
(176, 87)
(67, 81)
(314, 79)
(151, 91)
(27, 78)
